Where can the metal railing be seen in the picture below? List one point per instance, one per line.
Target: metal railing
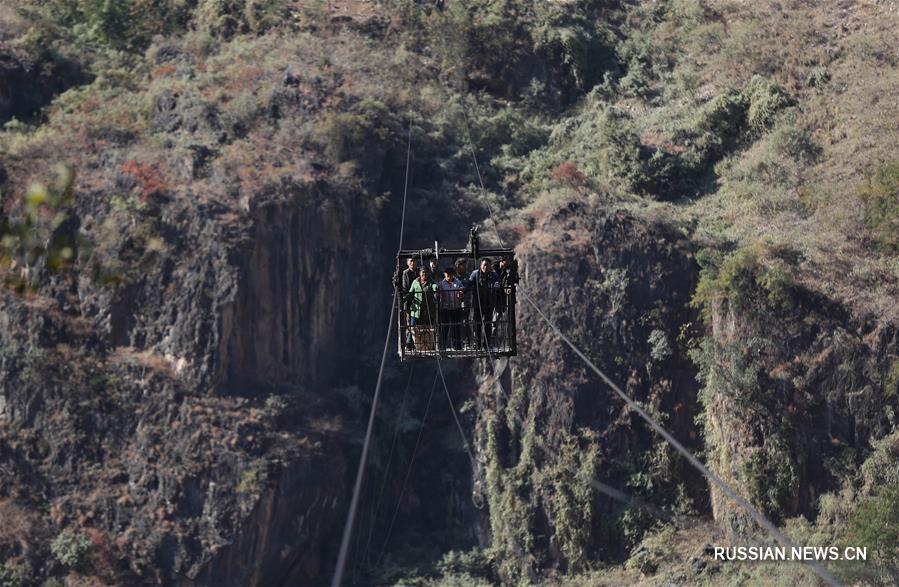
(461, 323)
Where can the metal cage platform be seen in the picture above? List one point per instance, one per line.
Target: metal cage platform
(474, 321)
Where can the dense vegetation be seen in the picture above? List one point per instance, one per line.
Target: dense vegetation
(765, 133)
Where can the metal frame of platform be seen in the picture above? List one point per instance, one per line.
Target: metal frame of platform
(503, 325)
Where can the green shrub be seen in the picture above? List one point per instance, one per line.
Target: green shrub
(249, 482)
(359, 135)
(571, 507)
(453, 580)
(120, 24)
(765, 99)
(891, 383)
(880, 195)
(472, 563)
(795, 143)
(621, 147)
(511, 509)
(776, 279)
(882, 465)
(71, 548)
(571, 41)
(725, 121)
(721, 120)
(660, 348)
(225, 18)
(771, 479)
(818, 78)
(875, 524)
(544, 53)
(636, 81)
(344, 132)
(12, 576)
(614, 285)
(507, 132)
(740, 275)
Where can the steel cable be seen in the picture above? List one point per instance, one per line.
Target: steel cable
(360, 473)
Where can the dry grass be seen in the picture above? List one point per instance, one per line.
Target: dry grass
(145, 359)
(850, 112)
(12, 23)
(18, 526)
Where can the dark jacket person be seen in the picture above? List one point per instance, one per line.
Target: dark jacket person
(484, 282)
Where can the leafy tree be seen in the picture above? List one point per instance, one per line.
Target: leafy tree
(721, 120)
(71, 548)
(125, 25)
(875, 524)
(766, 99)
(39, 233)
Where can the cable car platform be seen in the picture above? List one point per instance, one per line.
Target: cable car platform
(466, 312)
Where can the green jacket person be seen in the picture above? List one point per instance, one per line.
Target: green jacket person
(422, 304)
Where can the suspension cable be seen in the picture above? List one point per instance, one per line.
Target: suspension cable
(449, 398)
(466, 445)
(605, 488)
(360, 473)
(757, 516)
(399, 501)
(406, 181)
(396, 431)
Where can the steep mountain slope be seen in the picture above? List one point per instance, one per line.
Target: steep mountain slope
(629, 285)
(703, 194)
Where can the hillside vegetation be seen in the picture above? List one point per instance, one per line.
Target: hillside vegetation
(757, 140)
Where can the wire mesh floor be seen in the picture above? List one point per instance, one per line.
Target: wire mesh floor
(422, 343)
(472, 353)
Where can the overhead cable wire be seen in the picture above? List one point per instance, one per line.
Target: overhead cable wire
(396, 511)
(406, 182)
(757, 516)
(396, 430)
(337, 580)
(465, 444)
(360, 473)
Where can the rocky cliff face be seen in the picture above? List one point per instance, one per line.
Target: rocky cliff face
(794, 396)
(262, 297)
(296, 316)
(620, 287)
(782, 391)
(181, 418)
(180, 414)
(30, 78)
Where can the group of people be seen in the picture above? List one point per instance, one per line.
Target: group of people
(468, 307)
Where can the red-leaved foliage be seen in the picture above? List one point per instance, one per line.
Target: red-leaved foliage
(148, 177)
(569, 175)
(103, 553)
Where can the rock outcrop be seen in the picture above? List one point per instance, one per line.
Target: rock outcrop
(620, 287)
(29, 80)
(182, 415)
(794, 396)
